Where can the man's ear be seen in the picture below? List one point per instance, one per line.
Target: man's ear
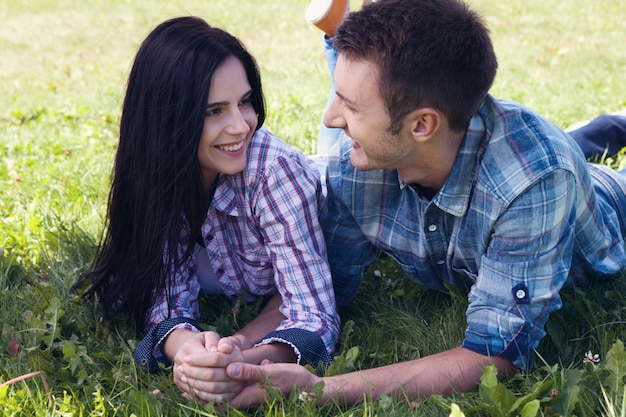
(425, 123)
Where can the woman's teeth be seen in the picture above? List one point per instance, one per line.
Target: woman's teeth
(231, 148)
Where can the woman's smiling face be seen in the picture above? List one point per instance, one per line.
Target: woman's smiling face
(229, 124)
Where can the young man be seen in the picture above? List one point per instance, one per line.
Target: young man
(460, 189)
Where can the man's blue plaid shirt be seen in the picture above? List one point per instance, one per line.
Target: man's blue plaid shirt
(521, 215)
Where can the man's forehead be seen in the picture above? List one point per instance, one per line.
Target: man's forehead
(357, 64)
(353, 77)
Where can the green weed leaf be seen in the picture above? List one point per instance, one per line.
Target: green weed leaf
(616, 364)
(568, 392)
(455, 411)
(530, 409)
(496, 396)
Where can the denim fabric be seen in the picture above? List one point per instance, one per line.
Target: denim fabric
(327, 137)
(604, 135)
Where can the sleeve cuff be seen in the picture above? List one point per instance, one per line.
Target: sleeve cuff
(520, 351)
(308, 346)
(148, 352)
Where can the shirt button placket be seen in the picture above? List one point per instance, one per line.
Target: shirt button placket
(436, 245)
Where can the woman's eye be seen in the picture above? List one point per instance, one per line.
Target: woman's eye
(212, 112)
(245, 102)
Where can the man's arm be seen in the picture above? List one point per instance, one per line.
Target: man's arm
(455, 370)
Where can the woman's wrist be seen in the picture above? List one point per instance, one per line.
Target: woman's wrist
(175, 340)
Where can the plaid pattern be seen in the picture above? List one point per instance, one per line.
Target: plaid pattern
(262, 235)
(521, 214)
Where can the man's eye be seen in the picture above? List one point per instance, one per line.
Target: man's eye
(212, 112)
(349, 108)
(246, 102)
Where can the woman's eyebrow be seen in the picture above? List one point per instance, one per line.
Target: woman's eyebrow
(223, 103)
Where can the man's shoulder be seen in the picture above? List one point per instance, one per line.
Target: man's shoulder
(521, 147)
(513, 125)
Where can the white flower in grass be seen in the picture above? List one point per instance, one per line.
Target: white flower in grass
(306, 396)
(592, 358)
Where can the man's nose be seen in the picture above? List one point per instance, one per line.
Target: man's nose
(333, 116)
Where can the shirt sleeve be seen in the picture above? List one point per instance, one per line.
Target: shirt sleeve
(176, 307)
(148, 352)
(524, 268)
(287, 206)
(349, 250)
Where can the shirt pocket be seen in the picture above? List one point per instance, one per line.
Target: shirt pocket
(258, 271)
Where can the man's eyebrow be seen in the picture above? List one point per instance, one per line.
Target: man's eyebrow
(346, 100)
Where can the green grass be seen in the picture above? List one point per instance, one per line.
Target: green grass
(63, 67)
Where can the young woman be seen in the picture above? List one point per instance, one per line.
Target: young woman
(206, 201)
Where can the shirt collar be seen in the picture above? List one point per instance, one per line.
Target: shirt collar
(455, 194)
(225, 197)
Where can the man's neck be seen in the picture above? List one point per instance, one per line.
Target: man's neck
(433, 162)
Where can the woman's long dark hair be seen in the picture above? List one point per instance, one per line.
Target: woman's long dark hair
(156, 188)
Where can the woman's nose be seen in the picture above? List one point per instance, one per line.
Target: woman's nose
(237, 124)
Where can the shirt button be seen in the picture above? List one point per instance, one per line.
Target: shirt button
(441, 262)
(432, 227)
(263, 263)
(520, 294)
